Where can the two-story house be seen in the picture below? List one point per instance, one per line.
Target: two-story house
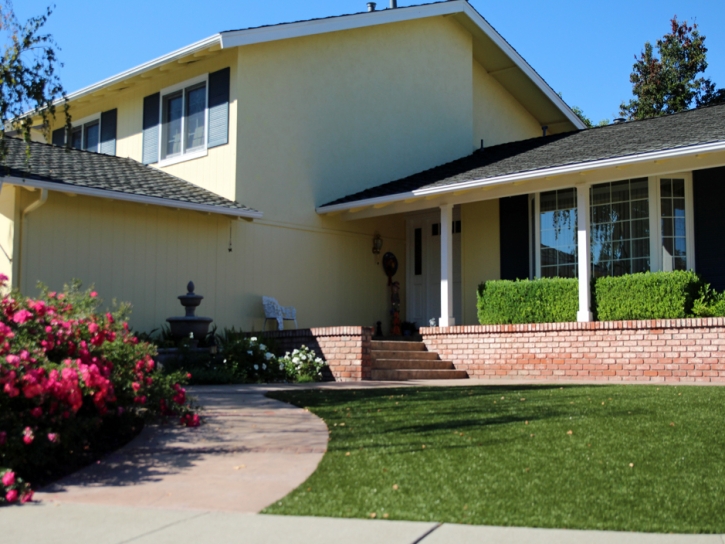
(264, 161)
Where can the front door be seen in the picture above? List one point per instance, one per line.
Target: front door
(424, 267)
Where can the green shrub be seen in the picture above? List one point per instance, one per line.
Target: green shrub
(649, 295)
(709, 304)
(545, 300)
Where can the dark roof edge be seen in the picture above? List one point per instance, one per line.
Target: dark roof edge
(525, 175)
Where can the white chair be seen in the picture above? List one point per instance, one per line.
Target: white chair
(280, 314)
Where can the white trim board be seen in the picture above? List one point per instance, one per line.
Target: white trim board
(525, 176)
(129, 197)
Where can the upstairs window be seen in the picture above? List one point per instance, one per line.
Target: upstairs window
(183, 121)
(96, 133)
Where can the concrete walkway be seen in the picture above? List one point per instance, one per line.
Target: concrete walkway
(206, 485)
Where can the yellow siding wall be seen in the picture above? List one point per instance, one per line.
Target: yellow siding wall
(497, 116)
(7, 230)
(481, 251)
(325, 116)
(146, 255)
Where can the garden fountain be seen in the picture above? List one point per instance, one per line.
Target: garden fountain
(190, 325)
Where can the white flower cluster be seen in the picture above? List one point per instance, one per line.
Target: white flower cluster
(304, 362)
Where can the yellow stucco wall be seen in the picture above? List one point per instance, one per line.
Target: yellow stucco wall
(481, 251)
(145, 255)
(498, 117)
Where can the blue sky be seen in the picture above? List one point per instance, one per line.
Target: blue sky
(583, 49)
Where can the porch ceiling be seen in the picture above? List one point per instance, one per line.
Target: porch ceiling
(688, 141)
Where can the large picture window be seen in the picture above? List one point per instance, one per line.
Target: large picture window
(636, 225)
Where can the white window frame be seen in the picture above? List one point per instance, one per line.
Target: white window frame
(82, 123)
(655, 209)
(183, 155)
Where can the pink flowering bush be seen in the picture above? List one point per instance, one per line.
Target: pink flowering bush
(66, 373)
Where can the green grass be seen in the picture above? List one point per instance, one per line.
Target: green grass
(639, 458)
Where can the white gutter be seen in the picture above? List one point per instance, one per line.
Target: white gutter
(128, 197)
(530, 175)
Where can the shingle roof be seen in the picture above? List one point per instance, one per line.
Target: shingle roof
(694, 127)
(73, 168)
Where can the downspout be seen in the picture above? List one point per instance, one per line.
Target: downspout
(23, 227)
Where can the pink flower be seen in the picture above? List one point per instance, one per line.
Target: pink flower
(53, 437)
(26, 497)
(94, 294)
(36, 412)
(93, 328)
(136, 386)
(11, 496)
(28, 436)
(3, 438)
(3, 278)
(21, 316)
(8, 478)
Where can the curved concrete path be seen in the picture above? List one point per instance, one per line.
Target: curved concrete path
(250, 452)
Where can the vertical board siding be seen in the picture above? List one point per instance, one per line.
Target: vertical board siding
(514, 221)
(709, 198)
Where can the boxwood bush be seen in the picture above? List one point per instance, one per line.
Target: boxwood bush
(545, 300)
(649, 295)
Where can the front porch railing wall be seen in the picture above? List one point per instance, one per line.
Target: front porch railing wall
(680, 350)
(346, 349)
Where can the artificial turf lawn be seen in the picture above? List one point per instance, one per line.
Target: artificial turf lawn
(631, 458)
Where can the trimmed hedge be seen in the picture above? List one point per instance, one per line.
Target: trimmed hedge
(649, 295)
(545, 300)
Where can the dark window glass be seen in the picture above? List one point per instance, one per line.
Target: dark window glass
(76, 138)
(195, 117)
(418, 252)
(674, 226)
(173, 110)
(90, 136)
(436, 229)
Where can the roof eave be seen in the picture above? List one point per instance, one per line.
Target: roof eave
(528, 175)
(130, 197)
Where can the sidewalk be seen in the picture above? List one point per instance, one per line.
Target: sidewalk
(174, 485)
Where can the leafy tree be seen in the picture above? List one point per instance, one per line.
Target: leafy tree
(586, 120)
(29, 84)
(673, 82)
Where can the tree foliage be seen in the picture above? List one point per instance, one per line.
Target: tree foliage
(29, 83)
(674, 81)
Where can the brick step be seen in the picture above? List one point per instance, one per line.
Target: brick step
(407, 355)
(404, 375)
(402, 364)
(391, 345)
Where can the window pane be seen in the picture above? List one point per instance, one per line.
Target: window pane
(173, 109)
(418, 252)
(640, 265)
(666, 187)
(678, 188)
(91, 137)
(616, 238)
(667, 227)
(674, 226)
(680, 229)
(195, 113)
(76, 138)
(557, 220)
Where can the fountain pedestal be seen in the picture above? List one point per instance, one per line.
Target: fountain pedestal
(190, 324)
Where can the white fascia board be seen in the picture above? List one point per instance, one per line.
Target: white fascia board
(530, 175)
(150, 65)
(128, 197)
(251, 36)
(286, 31)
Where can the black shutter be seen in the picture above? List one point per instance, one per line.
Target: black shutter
(514, 232)
(108, 132)
(219, 108)
(59, 137)
(151, 114)
(709, 196)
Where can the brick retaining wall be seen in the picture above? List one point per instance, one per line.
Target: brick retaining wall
(681, 350)
(346, 349)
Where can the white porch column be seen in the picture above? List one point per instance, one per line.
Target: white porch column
(447, 319)
(583, 236)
